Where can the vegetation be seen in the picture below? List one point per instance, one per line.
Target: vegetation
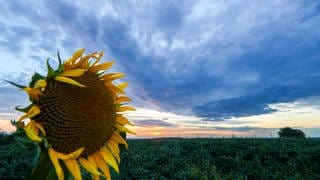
(199, 158)
(288, 132)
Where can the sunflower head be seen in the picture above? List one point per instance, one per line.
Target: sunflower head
(76, 115)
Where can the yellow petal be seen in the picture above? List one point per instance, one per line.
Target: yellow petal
(113, 146)
(113, 89)
(108, 157)
(77, 54)
(88, 166)
(116, 137)
(73, 168)
(122, 120)
(98, 58)
(32, 131)
(123, 85)
(40, 127)
(121, 128)
(112, 76)
(103, 66)
(68, 80)
(125, 108)
(84, 62)
(121, 99)
(33, 111)
(95, 177)
(73, 155)
(114, 149)
(101, 164)
(92, 162)
(55, 162)
(41, 83)
(73, 72)
(34, 93)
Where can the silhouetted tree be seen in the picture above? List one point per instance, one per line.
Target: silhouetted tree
(288, 132)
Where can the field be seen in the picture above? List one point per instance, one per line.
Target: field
(199, 158)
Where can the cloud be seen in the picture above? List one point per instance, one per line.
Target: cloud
(255, 104)
(216, 59)
(153, 122)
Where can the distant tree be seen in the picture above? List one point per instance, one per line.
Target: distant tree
(288, 132)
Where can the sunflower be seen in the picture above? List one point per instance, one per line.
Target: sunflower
(76, 116)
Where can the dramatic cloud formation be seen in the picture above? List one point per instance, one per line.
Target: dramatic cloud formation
(208, 60)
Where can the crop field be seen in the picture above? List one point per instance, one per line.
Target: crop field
(198, 158)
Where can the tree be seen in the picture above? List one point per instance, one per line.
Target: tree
(288, 132)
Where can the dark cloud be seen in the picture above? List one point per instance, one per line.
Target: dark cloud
(152, 122)
(255, 104)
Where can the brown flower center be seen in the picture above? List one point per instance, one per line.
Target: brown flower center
(75, 117)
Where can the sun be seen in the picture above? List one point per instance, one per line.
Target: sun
(77, 115)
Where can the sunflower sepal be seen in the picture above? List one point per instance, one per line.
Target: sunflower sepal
(35, 77)
(46, 143)
(51, 73)
(23, 109)
(15, 84)
(60, 65)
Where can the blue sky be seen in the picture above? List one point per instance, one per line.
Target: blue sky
(208, 68)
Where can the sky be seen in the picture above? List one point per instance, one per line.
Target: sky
(195, 68)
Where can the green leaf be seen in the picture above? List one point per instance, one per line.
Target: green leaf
(43, 169)
(25, 142)
(51, 72)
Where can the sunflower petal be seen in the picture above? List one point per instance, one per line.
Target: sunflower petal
(112, 76)
(34, 93)
(125, 108)
(89, 167)
(73, 155)
(95, 177)
(33, 111)
(41, 83)
(108, 157)
(121, 99)
(113, 89)
(101, 164)
(103, 66)
(123, 85)
(68, 80)
(113, 146)
(32, 131)
(98, 58)
(122, 120)
(73, 72)
(121, 128)
(119, 139)
(55, 162)
(40, 127)
(76, 55)
(73, 168)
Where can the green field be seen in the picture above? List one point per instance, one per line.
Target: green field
(199, 158)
